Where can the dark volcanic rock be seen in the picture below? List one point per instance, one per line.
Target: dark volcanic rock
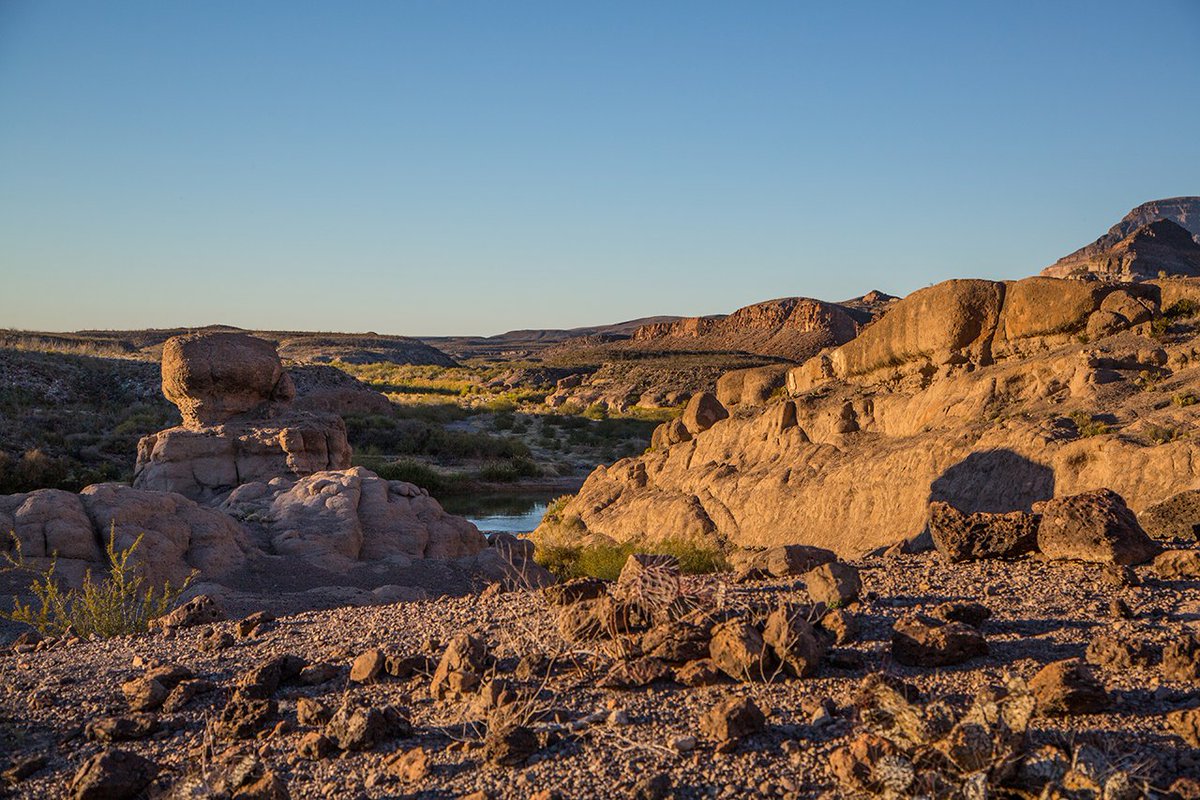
(961, 537)
(1093, 526)
(112, 775)
(921, 641)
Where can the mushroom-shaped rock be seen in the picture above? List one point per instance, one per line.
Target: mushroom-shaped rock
(215, 377)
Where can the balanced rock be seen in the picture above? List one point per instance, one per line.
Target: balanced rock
(216, 377)
(962, 537)
(1093, 526)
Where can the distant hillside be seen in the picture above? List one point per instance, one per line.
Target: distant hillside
(298, 346)
(1138, 248)
(529, 342)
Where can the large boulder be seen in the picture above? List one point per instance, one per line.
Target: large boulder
(177, 535)
(215, 377)
(752, 386)
(1093, 526)
(702, 412)
(354, 515)
(963, 537)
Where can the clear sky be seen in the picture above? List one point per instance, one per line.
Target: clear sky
(472, 167)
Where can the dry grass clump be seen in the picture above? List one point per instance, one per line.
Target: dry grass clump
(116, 605)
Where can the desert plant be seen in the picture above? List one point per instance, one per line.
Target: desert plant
(1158, 434)
(1087, 425)
(1185, 399)
(606, 560)
(116, 605)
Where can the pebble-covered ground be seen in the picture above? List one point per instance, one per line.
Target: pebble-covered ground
(608, 742)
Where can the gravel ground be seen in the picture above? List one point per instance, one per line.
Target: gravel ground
(1042, 612)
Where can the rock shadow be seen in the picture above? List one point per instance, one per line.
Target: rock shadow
(996, 481)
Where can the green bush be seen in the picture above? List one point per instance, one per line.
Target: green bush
(409, 471)
(509, 471)
(116, 605)
(1087, 425)
(606, 561)
(1185, 399)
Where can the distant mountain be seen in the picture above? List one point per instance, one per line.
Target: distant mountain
(529, 341)
(1139, 247)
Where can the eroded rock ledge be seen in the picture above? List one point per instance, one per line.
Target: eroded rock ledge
(985, 395)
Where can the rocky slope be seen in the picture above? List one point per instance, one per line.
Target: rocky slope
(1144, 256)
(1030, 679)
(991, 396)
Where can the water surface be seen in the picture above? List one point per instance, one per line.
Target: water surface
(511, 513)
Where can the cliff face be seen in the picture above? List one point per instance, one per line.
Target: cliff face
(964, 392)
(1136, 248)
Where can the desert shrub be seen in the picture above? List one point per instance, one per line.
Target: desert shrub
(596, 411)
(606, 560)
(511, 470)
(116, 605)
(433, 481)
(395, 436)
(1185, 399)
(1087, 425)
(1159, 434)
(555, 508)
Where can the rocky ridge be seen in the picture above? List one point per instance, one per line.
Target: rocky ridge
(990, 396)
(1120, 253)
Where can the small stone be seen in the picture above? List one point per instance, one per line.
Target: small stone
(144, 694)
(1068, 687)
(367, 667)
(315, 746)
(683, 744)
(835, 584)
(730, 721)
(409, 766)
(921, 641)
(310, 711)
(509, 746)
(255, 623)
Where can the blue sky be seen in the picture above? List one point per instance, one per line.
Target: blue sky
(472, 167)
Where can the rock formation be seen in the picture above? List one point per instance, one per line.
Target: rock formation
(238, 426)
(1156, 249)
(250, 495)
(1140, 256)
(989, 396)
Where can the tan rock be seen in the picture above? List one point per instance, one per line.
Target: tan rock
(702, 412)
(215, 377)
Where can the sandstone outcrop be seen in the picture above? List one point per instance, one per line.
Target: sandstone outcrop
(973, 393)
(177, 535)
(256, 501)
(238, 426)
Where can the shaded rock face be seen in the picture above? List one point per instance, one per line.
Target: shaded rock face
(238, 426)
(178, 536)
(962, 393)
(1184, 212)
